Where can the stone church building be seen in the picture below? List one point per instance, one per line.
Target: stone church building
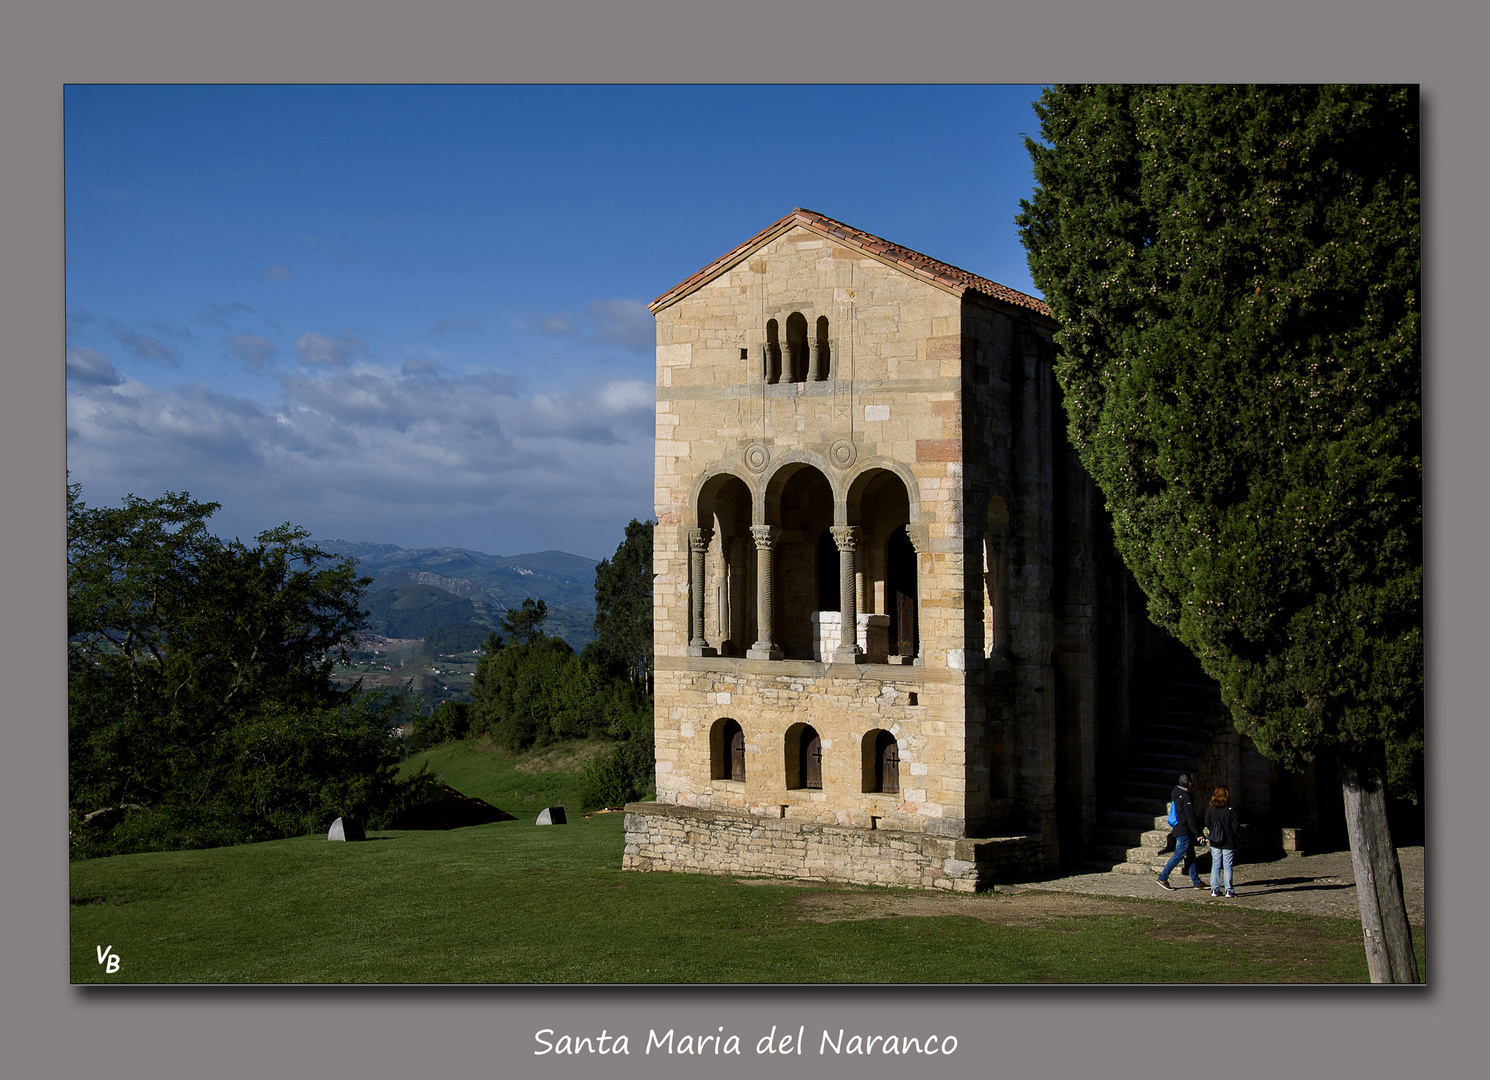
(893, 641)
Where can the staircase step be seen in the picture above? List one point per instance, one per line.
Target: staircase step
(1135, 821)
(1171, 737)
(1152, 839)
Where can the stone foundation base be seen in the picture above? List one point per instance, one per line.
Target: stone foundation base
(662, 836)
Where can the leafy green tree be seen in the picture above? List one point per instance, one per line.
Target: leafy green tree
(623, 605)
(200, 709)
(524, 625)
(1236, 274)
(484, 683)
(447, 722)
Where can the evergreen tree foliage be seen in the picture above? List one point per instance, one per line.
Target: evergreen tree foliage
(525, 624)
(623, 604)
(1236, 272)
(1236, 275)
(200, 709)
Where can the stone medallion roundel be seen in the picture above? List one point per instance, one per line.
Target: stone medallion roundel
(757, 457)
(843, 453)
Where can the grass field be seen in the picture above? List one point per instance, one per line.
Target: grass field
(475, 767)
(513, 902)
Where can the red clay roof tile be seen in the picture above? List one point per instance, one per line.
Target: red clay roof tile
(946, 275)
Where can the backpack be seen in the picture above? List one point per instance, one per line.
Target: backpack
(1174, 817)
(1222, 833)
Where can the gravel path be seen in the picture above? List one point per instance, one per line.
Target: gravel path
(1304, 885)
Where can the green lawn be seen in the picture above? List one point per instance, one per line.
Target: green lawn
(514, 902)
(520, 785)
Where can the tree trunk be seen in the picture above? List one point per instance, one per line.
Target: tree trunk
(1378, 878)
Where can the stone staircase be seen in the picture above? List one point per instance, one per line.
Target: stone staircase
(1172, 737)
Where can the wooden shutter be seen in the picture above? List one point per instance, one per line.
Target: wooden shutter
(905, 629)
(889, 763)
(812, 759)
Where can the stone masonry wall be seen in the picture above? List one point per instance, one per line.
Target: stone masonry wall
(922, 708)
(890, 403)
(675, 838)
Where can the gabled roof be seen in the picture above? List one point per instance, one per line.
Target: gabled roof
(945, 275)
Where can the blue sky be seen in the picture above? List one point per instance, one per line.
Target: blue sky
(416, 315)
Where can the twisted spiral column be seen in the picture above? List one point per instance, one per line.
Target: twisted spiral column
(698, 548)
(847, 539)
(766, 537)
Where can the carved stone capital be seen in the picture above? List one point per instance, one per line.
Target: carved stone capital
(846, 537)
(766, 537)
(699, 539)
(920, 536)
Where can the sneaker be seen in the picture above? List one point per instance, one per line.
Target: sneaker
(1231, 896)
(1215, 895)
(1166, 886)
(1199, 885)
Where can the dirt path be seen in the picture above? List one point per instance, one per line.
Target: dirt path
(1306, 885)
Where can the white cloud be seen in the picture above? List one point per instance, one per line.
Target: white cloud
(276, 273)
(91, 366)
(415, 366)
(170, 329)
(221, 314)
(555, 324)
(418, 457)
(255, 352)
(626, 323)
(314, 348)
(143, 346)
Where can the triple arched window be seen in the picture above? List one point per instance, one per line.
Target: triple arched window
(797, 351)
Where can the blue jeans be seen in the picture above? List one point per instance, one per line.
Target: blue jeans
(1221, 857)
(1181, 846)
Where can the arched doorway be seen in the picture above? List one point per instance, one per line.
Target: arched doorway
(805, 563)
(902, 595)
(726, 588)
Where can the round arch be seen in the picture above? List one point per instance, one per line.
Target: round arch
(783, 469)
(799, 503)
(704, 493)
(864, 472)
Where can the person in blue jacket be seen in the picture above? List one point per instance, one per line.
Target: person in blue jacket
(1186, 835)
(1222, 827)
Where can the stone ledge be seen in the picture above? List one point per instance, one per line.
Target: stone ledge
(812, 669)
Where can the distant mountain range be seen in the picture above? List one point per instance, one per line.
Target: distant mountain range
(438, 586)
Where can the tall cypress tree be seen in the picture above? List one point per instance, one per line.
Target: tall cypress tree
(1236, 273)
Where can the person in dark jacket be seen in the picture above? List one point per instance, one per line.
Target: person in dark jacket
(1186, 835)
(1222, 827)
